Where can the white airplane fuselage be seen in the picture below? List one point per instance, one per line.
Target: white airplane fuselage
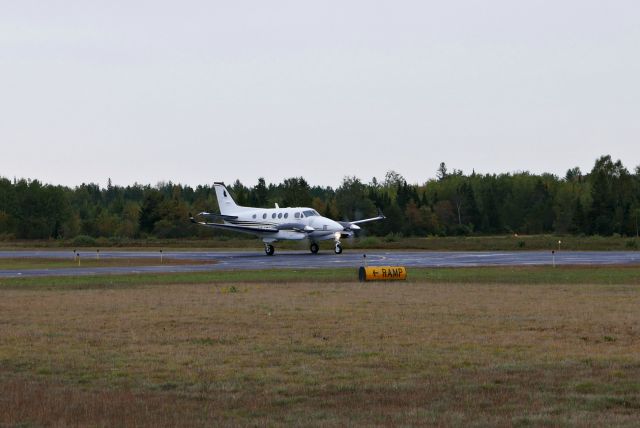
(319, 228)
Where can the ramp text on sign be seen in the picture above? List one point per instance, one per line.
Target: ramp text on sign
(382, 273)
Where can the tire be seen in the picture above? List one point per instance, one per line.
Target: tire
(269, 250)
(314, 248)
(338, 249)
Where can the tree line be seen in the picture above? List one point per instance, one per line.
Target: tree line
(604, 201)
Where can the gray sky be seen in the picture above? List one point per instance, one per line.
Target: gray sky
(197, 91)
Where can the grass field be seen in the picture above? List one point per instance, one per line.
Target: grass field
(390, 242)
(466, 347)
(11, 263)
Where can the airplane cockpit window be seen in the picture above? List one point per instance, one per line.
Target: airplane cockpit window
(310, 213)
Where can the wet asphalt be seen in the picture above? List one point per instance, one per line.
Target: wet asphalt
(256, 260)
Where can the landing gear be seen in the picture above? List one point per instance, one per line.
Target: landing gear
(338, 248)
(314, 248)
(269, 250)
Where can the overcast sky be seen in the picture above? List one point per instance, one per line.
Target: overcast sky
(203, 91)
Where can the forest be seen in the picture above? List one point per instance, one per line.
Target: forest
(604, 201)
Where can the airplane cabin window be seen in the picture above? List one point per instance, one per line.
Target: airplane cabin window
(254, 216)
(279, 215)
(297, 215)
(264, 215)
(286, 215)
(273, 215)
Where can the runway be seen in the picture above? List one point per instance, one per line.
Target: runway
(256, 260)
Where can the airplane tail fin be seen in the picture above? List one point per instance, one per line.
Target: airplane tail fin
(225, 201)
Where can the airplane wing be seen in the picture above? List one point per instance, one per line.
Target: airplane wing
(296, 227)
(256, 230)
(220, 216)
(353, 225)
(366, 220)
(291, 230)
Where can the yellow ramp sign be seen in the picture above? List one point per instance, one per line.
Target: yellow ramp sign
(382, 273)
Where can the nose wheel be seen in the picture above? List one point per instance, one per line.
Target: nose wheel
(269, 249)
(314, 248)
(338, 248)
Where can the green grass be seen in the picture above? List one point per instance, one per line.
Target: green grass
(478, 275)
(390, 242)
(129, 280)
(20, 263)
(532, 275)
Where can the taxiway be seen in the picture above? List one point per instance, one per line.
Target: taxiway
(231, 260)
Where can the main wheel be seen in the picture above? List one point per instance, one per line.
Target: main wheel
(314, 248)
(338, 249)
(269, 250)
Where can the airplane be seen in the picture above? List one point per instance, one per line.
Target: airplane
(279, 224)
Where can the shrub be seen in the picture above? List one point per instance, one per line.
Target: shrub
(460, 230)
(84, 241)
(369, 241)
(392, 237)
(6, 236)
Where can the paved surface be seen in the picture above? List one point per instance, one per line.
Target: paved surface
(302, 259)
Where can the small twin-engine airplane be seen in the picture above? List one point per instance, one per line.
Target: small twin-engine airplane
(279, 224)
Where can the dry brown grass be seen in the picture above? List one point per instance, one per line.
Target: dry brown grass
(321, 354)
